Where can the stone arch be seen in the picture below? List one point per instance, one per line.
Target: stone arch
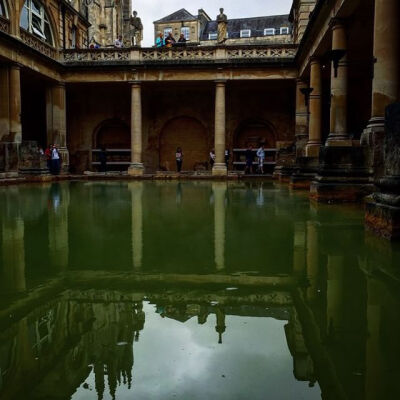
(189, 134)
(113, 134)
(254, 131)
(51, 18)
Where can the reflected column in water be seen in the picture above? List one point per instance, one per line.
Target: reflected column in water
(58, 225)
(299, 248)
(14, 254)
(220, 327)
(312, 261)
(219, 191)
(334, 293)
(136, 189)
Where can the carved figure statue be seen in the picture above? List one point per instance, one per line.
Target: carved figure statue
(222, 20)
(136, 31)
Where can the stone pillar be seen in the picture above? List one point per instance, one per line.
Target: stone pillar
(136, 189)
(15, 104)
(338, 135)
(4, 103)
(57, 121)
(385, 85)
(219, 168)
(136, 168)
(219, 191)
(314, 139)
(301, 131)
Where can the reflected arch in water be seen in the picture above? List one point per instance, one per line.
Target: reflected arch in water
(189, 134)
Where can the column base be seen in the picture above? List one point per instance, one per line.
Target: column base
(342, 176)
(338, 141)
(305, 171)
(313, 149)
(64, 160)
(373, 139)
(220, 169)
(136, 169)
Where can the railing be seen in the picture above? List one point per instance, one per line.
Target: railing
(182, 54)
(38, 44)
(4, 25)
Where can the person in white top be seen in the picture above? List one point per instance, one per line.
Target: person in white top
(212, 157)
(261, 159)
(55, 160)
(118, 42)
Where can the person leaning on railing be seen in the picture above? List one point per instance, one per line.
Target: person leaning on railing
(160, 40)
(169, 40)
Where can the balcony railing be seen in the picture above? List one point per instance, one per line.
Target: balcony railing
(4, 25)
(38, 44)
(177, 55)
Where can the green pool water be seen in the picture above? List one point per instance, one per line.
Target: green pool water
(193, 290)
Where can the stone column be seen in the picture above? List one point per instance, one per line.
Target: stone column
(136, 168)
(15, 104)
(314, 139)
(4, 103)
(339, 85)
(301, 131)
(219, 168)
(57, 117)
(219, 191)
(385, 85)
(136, 189)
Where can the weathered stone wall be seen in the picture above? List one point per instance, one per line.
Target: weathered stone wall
(176, 115)
(300, 14)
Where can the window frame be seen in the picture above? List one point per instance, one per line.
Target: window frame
(267, 30)
(166, 31)
(284, 28)
(37, 28)
(184, 30)
(3, 7)
(213, 36)
(242, 35)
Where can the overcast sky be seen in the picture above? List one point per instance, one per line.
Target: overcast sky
(152, 10)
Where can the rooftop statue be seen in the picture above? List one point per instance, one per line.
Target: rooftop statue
(222, 20)
(136, 31)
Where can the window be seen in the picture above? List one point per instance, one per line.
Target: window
(186, 32)
(269, 32)
(3, 10)
(284, 31)
(245, 33)
(167, 31)
(34, 20)
(213, 36)
(73, 37)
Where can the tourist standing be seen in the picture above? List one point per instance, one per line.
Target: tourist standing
(170, 40)
(249, 160)
(182, 39)
(47, 153)
(118, 42)
(212, 158)
(179, 159)
(55, 160)
(261, 159)
(160, 40)
(103, 160)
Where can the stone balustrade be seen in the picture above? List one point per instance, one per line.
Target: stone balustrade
(38, 44)
(187, 54)
(4, 25)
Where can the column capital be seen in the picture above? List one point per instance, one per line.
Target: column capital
(220, 82)
(135, 83)
(337, 23)
(15, 65)
(60, 84)
(315, 60)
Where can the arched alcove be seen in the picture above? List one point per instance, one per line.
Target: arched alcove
(254, 132)
(112, 134)
(189, 134)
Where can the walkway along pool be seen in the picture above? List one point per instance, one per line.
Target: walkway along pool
(193, 290)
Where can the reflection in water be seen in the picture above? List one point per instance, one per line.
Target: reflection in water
(150, 298)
